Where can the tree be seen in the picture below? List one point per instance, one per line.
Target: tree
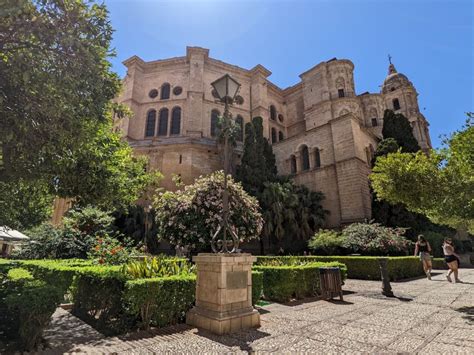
(388, 145)
(397, 126)
(439, 185)
(258, 161)
(189, 218)
(56, 87)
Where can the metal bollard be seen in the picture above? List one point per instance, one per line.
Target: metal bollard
(386, 288)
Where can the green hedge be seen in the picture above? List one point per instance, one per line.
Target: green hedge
(257, 286)
(281, 283)
(160, 301)
(26, 306)
(360, 267)
(98, 300)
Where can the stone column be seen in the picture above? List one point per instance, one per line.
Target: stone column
(223, 293)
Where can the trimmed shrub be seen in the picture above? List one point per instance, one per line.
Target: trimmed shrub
(160, 301)
(284, 282)
(327, 242)
(375, 239)
(26, 306)
(439, 263)
(97, 294)
(358, 267)
(257, 286)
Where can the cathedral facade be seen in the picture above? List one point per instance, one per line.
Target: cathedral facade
(323, 134)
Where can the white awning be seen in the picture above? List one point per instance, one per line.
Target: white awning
(12, 235)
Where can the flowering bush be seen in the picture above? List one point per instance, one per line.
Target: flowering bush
(189, 217)
(108, 250)
(375, 239)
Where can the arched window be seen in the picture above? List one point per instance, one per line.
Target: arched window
(317, 158)
(165, 91)
(374, 122)
(280, 136)
(396, 104)
(240, 125)
(273, 112)
(305, 158)
(163, 122)
(175, 121)
(274, 135)
(214, 120)
(293, 164)
(150, 123)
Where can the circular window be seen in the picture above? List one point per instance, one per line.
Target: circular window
(177, 90)
(239, 100)
(214, 93)
(280, 117)
(153, 93)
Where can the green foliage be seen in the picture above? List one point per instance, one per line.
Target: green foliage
(97, 294)
(26, 306)
(387, 145)
(161, 266)
(328, 242)
(359, 267)
(19, 274)
(281, 283)
(397, 126)
(258, 161)
(440, 186)
(24, 204)
(89, 220)
(189, 217)
(110, 251)
(375, 239)
(56, 125)
(160, 301)
(257, 286)
(49, 242)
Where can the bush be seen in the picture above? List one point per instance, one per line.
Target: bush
(358, 267)
(284, 282)
(97, 294)
(160, 301)
(257, 286)
(110, 251)
(89, 221)
(26, 306)
(49, 242)
(375, 239)
(328, 242)
(189, 217)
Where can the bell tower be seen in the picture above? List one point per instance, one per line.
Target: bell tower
(400, 96)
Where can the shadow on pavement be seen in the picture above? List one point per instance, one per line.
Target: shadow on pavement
(241, 339)
(469, 314)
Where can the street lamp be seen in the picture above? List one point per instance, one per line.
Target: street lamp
(226, 89)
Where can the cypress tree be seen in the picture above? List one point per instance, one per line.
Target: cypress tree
(258, 161)
(397, 126)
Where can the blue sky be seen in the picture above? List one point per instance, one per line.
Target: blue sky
(430, 41)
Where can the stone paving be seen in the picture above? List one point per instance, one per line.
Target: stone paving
(426, 317)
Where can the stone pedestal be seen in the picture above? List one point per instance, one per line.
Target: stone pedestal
(223, 293)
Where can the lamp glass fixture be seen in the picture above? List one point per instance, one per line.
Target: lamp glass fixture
(226, 87)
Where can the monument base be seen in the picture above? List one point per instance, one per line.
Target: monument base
(225, 324)
(223, 294)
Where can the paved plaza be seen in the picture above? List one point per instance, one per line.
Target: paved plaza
(427, 317)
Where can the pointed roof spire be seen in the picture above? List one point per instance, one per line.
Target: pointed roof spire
(391, 67)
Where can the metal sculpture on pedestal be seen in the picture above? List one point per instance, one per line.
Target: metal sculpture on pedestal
(225, 89)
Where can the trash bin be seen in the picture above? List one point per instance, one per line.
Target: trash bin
(331, 283)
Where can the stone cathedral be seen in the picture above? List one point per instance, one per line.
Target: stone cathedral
(322, 132)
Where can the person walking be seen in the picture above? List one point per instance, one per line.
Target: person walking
(423, 249)
(452, 260)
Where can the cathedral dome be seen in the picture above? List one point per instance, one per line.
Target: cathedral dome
(394, 80)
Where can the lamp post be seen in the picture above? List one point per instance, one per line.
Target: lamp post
(226, 89)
